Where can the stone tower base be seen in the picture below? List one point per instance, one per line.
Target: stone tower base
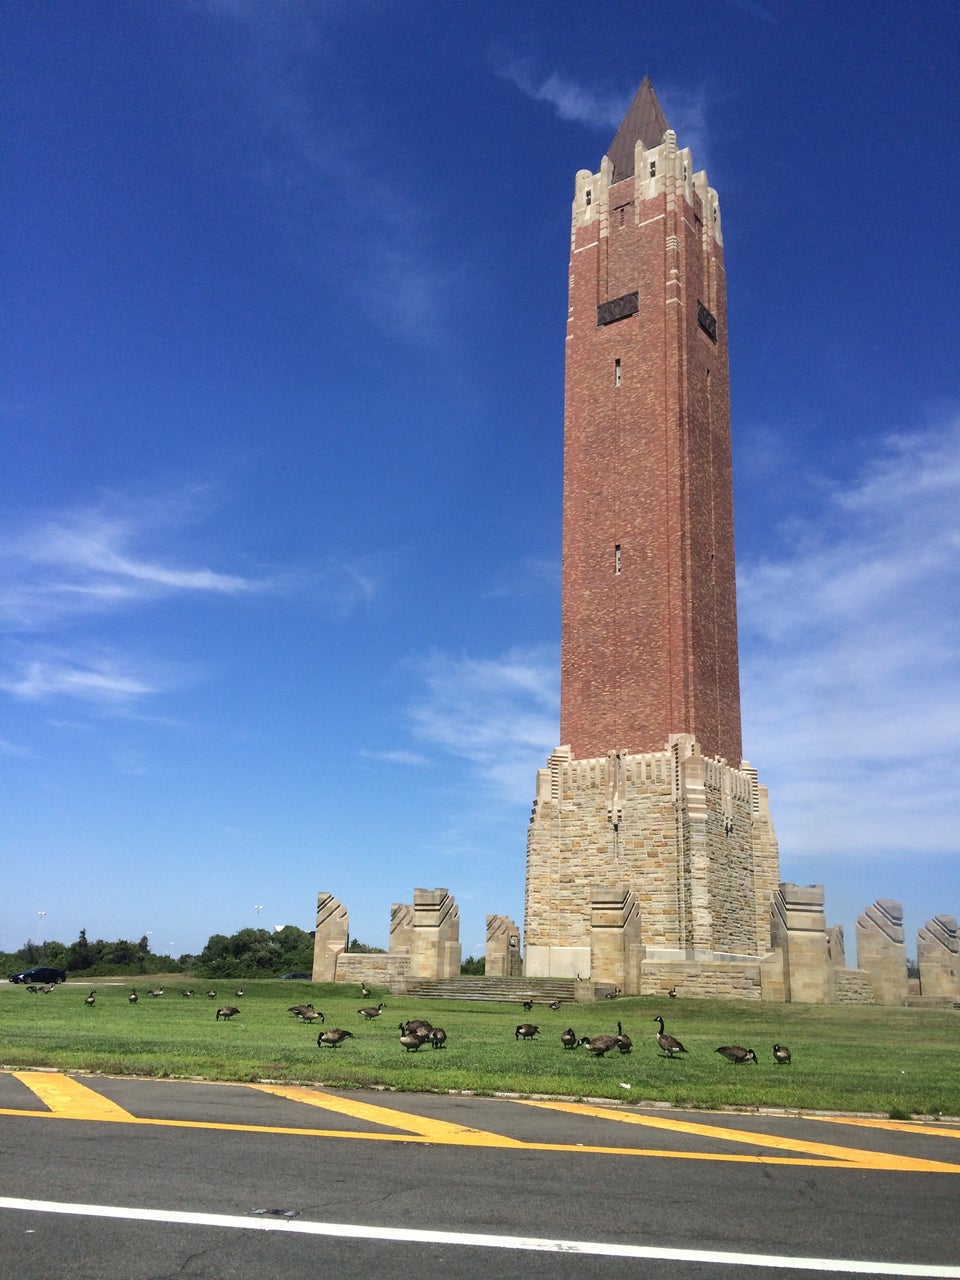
(649, 871)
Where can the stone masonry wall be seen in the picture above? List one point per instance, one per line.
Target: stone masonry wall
(675, 829)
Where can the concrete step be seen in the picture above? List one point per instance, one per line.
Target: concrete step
(512, 990)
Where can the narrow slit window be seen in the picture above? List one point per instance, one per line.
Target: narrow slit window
(617, 372)
(589, 196)
(616, 559)
(653, 168)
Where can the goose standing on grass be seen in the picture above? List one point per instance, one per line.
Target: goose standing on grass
(670, 1046)
(212, 994)
(411, 1040)
(91, 998)
(364, 991)
(528, 1005)
(526, 1031)
(239, 992)
(555, 1004)
(737, 1054)
(568, 1038)
(598, 1045)
(155, 992)
(438, 1038)
(133, 997)
(332, 1038)
(672, 993)
(310, 1015)
(781, 1055)
(227, 1011)
(369, 1012)
(623, 1040)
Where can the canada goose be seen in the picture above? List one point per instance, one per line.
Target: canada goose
(32, 989)
(781, 1055)
(737, 1054)
(612, 995)
(598, 1045)
(226, 1011)
(333, 1037)
(672, 993)
(91, 998)
(528, 1005)
(670, 1045)
(46, 988)
(411, 1041)
(364, 991)
(186, 994)
(212, 994)
(555, 1004)
(300, 1009)
(238, 992)
(568, 1038)
(156, 991)
(369, 1012)
(310, 1015)
(439, 1038)
(526, 1031)
(623, 1040)
(419, 1025)
(133, 997)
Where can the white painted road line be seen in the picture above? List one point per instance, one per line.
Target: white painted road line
(350, 1231)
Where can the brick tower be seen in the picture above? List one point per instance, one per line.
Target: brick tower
(649, 643)
(651, 858)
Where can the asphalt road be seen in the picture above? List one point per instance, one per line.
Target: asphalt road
(116, 1179)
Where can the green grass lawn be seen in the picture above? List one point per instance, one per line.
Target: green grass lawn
(897, 1062)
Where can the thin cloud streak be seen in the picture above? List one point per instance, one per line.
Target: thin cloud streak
(499, 715)
(851, 660)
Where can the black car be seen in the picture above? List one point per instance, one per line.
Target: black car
(300, 977)
(40, 974)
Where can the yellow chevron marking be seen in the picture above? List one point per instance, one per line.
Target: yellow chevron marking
(422, 1126)
(850, 1156)
(68, 1099)
(900, 1126)
(66, 1096)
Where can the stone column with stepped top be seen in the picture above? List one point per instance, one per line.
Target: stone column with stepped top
(938, 955)
(881, 952)
(435, 937)
(331, 938)
(502, 955)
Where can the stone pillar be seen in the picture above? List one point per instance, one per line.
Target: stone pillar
(502, 955)
(881, 952)
(836, 949)
(938, 954)
(435, 945)
(401, 928)
(331, 938)
(798, 930)
(616, 946)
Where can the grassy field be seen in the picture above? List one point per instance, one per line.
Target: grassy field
(896, 1062)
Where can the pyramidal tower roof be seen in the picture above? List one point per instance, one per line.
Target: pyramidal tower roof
(644, 122)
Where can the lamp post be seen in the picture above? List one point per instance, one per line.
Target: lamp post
(41, 914)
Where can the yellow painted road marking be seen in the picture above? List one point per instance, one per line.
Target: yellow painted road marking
(65, 1094)
(68, 1099)
(849, 1155)
(423, 1126)
(900, 1126)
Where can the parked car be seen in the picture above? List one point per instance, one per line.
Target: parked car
(301, 977)
(40, 974)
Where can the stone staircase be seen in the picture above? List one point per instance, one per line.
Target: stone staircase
(512, 990)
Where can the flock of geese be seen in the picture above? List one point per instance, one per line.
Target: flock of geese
(417, 1032)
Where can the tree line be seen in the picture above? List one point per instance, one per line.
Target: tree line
(248, 953)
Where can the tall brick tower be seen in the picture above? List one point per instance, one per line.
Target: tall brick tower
(649, 642)
(651, 858)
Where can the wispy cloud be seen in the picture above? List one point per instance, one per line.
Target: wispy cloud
(851, 659)
(570, 99)
(103, 679)
(96, 559)
(498, 714)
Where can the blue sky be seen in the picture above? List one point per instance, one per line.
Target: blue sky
(281, 414)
